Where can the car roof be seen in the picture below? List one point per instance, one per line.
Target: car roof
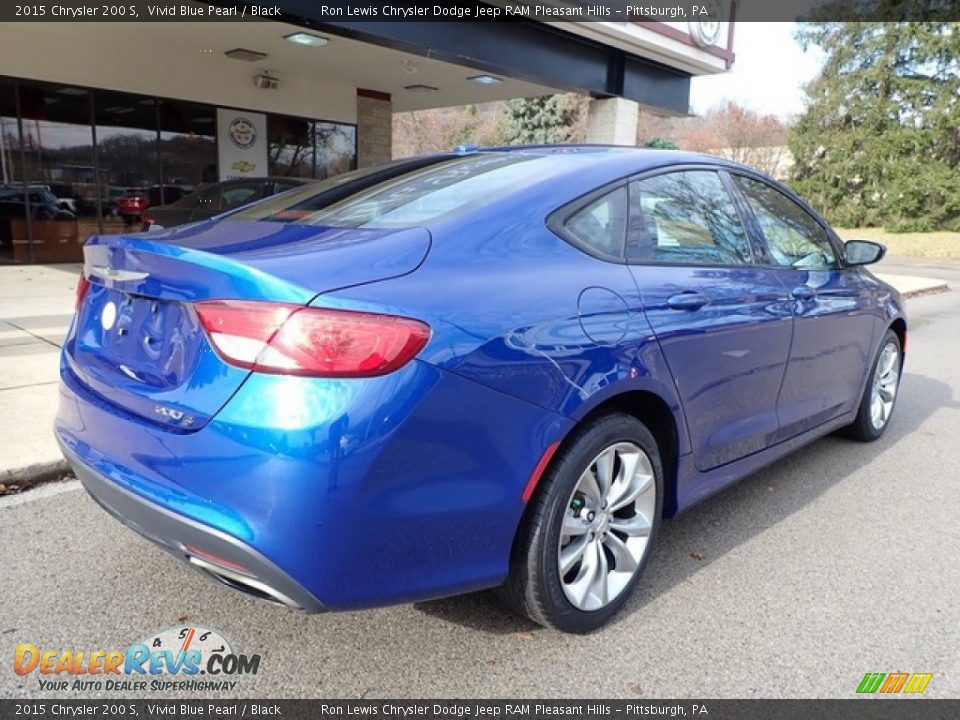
(612, 152)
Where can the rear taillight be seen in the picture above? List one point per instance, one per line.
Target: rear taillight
(318, 342)
(83, 285)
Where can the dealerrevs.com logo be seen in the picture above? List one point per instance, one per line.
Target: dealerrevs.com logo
(186, 658)
(894, 683)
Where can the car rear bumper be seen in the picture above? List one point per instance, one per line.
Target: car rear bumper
(330, 494)
(214, 553)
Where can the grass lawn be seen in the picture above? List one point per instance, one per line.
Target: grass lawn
(927, 245)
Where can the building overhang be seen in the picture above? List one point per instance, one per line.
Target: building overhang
(649, 62)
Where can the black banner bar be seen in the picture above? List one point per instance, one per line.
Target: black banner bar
(857, 709)
(618, 11)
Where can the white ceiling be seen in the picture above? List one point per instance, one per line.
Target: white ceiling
(342, 61)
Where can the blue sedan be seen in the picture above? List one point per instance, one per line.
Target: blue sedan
(480, 369)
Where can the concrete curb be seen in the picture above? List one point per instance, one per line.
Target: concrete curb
(34, 474)
(920, 292)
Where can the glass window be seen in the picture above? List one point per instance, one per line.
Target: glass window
(188, 146)
(308, 149)
(239, 194)
(602, 225)
(336, 148)
(402, 194)
(688, 218)
(793, 237)
(127, 152)
(57, 145)
(290, 146)
(9, 167)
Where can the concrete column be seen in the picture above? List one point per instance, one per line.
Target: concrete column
(612, 121)
(374, 128)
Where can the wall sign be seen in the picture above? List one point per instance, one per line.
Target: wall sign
(241, 144)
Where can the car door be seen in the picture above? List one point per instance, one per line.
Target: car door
(833, 331)
(723, 323)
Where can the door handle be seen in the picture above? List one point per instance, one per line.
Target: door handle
(803, 292)
(687, 301)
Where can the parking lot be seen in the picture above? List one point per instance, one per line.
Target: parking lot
(839, 561)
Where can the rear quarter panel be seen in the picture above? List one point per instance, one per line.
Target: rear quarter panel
(500, 293)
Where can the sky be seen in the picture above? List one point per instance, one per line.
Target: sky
(767, 76)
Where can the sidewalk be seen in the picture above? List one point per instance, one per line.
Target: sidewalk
(36, 305)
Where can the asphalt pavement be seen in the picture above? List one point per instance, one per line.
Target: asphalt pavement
(838, 561)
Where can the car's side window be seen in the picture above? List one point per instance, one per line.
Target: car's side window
(601, 226)
(687, 217)
(238, 195)
(793, 237)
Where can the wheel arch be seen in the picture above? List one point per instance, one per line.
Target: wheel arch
(899, 327)
(655, 413)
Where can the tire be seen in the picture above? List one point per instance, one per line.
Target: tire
(566, 500)
(865, 427)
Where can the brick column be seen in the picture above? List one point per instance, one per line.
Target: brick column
(374, 128)
(612, 121)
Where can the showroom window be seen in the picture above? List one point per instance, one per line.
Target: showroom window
(54, 148)
(188, 144)
(310, 149)
(104, 156)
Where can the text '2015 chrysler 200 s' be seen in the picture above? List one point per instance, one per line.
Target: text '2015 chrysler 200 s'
(480, 369)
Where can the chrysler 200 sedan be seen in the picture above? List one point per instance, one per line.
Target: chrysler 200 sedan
(480, 369)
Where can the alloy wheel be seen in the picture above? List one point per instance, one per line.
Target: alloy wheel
(606, 526)
(885, 381)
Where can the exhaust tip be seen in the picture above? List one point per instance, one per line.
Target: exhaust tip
(242, 582)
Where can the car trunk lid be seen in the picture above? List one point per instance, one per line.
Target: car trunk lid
(137, 340)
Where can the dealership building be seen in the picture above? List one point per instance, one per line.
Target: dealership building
(89, 110)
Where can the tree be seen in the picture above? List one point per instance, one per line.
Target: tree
(879, 142)
(547, 119)
(424, 131)
(661, 143)
(731, 131)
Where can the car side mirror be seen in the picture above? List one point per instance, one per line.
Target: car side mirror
(863, 252)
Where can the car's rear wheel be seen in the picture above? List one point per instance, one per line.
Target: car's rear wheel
(880, 394)
(587, 534)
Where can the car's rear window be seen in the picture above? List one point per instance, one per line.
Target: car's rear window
(402, 194)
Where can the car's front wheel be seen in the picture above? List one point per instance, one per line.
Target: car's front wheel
(880, 394)
(587, 534)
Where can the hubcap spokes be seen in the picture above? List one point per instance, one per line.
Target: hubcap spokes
(606, 526)
(885, 382)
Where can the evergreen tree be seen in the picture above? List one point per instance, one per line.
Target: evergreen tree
(661, 143)
(879, 143)
(539, 120)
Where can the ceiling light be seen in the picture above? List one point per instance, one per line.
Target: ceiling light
(243, 54)
(422, 88)
(71, 91)
(485, 79)
(305, 38)
(118, 110)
